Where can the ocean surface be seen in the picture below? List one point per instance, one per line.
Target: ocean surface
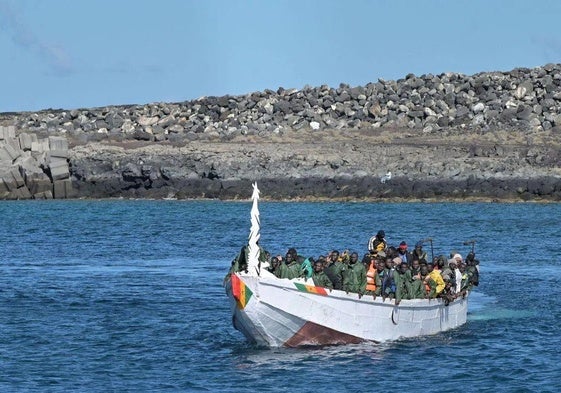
(127, 296)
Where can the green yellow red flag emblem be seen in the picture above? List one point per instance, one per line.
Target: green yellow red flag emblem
(240, 291)
(311, 289)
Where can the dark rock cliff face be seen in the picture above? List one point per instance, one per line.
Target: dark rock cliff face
(492, 135)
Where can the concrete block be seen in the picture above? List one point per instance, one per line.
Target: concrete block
(5, 157)
(11, 131)
(42, 145)
(11, 152)
(9, 182)
(3, 186)
(28, 164)
(55, 161)
(7, 132)
(38, 183)
(25, 141)
(16, 177)
(14, 142)
(44, 195)
(22, 193)
(58, 153)
(41, 158)
(63, 189)
(19, 193)
(59, 170)
(58, 143)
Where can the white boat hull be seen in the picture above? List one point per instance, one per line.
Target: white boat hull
(278, 312)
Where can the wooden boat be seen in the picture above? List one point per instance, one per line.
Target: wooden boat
(277, 312)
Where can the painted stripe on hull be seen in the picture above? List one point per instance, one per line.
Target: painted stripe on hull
(314, 334)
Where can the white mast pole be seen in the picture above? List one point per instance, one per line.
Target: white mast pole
(253, 248)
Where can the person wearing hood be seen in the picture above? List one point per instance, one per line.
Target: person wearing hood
(455, 266)
(377, 243)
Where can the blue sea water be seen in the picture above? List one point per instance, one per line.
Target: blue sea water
(126, 296)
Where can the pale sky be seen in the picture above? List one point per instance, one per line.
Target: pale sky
(89, 53)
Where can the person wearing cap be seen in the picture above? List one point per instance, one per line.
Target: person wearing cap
(377, 243)
(403, 254)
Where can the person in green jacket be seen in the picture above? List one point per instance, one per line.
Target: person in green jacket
(291, 267)
(402, 282)
(354, 276)
(319, 276)
(275, 266)
(416, 286)
(334, 269)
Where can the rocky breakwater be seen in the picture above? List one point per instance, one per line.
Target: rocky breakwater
(32, 167)
(490, 135)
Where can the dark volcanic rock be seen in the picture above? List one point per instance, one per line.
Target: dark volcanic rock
(492, 135)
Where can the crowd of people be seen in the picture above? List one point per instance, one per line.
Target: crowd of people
(387, 271)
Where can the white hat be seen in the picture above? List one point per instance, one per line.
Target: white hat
(456, 256)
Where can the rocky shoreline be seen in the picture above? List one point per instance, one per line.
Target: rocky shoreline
(489, 136)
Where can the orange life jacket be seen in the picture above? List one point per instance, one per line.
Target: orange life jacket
(371, 277)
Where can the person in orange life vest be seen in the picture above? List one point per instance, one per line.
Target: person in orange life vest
(371, 273)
